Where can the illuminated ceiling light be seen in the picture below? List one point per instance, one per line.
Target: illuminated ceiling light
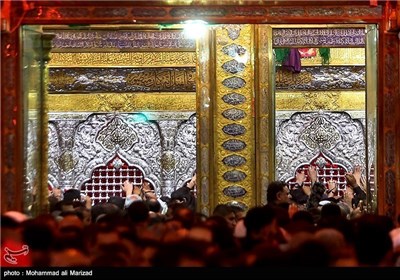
(194, 29)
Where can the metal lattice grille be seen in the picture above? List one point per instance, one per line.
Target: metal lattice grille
(327, 170)
(106, 181)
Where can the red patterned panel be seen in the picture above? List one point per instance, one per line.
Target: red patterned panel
(327, 170)
(307, 52)
(106, 181)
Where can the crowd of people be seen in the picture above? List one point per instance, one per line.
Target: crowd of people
(300, 226)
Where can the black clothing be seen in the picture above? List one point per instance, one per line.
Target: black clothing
(298, 195)
(317, 194)
(185, 194)
(71, 195)
(358, 195)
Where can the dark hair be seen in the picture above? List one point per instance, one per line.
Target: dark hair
(166, 199)
(273, 189)
(222, 210)
(184, 194)
(303, 215)
(317, 192)
(236, 208)
(153, 205)
(117, 200)
(257, 217)
(72, 194)
(138, 211)
(330, 210)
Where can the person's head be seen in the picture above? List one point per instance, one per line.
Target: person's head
(153, 205)
(239, 210)
(304, 216)
(278, 192)
(225, 211)
(330, 210)
(182, 196)
(138, 212)
(261, 223)
(372, 241)
(86, 215)
(118, 201)
(72, 195)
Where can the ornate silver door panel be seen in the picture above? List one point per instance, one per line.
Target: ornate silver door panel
(161, 145)
(333, 141)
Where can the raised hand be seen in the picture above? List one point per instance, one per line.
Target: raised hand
(357, 174)
(137, 190)
(300, 177)
(331, 185)
(351, 180)
(312, 172)
(146, 186)
(348, 196)
(331, 188)
(192, 182)
(148, 193)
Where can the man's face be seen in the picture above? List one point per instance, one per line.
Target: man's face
(231, 220)
(284, 195)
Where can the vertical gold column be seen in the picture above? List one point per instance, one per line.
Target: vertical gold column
(265, 111)
(204, 105)
(42, 51)
(234, 145)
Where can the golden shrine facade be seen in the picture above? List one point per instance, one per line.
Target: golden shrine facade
(95, 91)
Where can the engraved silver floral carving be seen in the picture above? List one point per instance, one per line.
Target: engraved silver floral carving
(233, 66)
(234, 82)
(234, 191)
(234, 176)
(234, 129)
(234, 160)
(335, 134)
(233, 31)
(136, 139)
(117, 132)
(320, 133)
(234, 145)
(320, 162)
(234, 114)
(234, 98)
(233, 50)
(117, 163)
(185, 151)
